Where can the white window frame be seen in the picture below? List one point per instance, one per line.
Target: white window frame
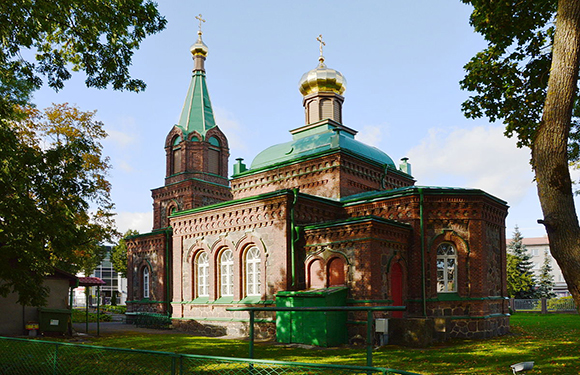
(253, 264)
(202, 274)
(146, 280)
(446, 268)
(227, 273)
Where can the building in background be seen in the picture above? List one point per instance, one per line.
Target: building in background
(537, 246)
(115, 284)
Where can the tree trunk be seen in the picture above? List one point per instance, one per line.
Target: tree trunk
(549, 149)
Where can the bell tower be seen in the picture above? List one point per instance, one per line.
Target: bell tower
(196, 151)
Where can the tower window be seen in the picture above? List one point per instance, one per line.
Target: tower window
(176, 167)
(214, 156)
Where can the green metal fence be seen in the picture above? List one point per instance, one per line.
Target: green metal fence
(20, 356)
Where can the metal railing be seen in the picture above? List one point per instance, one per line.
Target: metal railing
(21, 356)
(544, 305)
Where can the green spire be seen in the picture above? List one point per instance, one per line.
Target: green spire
(197, 113)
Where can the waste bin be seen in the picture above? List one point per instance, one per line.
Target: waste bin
(321, 328)
(54, 320)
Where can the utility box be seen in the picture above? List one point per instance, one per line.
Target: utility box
(54, 320)
(382, 329)
(321, 328)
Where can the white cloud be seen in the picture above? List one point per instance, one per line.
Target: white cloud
(371, 135)
(481, 157)
(124, 166)
(140, 221)
(119, 138)
(231, 128)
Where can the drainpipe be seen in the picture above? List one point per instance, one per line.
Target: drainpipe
(422, 229)
(293, 237)
(167, 278)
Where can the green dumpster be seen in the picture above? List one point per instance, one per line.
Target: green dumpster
(321, 328)
(54, 320)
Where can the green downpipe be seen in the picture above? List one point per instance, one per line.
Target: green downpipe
(422, 229)
(293, 238)
(167, 278)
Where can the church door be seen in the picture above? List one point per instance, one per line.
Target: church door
(397, 288)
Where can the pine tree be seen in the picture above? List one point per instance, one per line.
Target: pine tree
(546, 282)
(520, 277)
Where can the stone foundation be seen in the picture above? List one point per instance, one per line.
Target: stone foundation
(476, 328)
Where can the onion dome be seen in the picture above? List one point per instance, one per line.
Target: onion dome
(199, 48)
(322, 79)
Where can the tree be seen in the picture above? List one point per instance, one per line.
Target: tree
(520, 277)
(119, 253)
(50, 172)
(546, 281)
(94, 36)
(527, 77)
(56, 207)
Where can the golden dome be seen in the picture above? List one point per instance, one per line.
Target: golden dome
(322, 79)
(199, 48)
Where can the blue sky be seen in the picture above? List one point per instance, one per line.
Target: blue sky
(402, 61)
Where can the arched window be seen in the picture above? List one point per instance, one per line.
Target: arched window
(446, 268)
(202, 275)
(253, 272)
(336, 275)
(214, 156)
(145, 279)
(226, 273)
(316, 274)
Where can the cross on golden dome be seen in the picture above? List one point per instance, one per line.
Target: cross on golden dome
(200, 21)
(319, 39)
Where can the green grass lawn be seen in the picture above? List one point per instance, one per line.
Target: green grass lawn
(551, 341)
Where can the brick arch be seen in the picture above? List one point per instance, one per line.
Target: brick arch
(222, 243)
(217, 133)
(173, 133)
(195, 249)
(196, 135)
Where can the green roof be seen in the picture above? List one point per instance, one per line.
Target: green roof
(197, 113)
(318, 140)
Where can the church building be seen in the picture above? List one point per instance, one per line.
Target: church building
(320, 212)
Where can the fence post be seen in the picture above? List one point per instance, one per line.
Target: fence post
(55, 360)
(251, 334)
(369, 338)
(513, 304)
(544, 305)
